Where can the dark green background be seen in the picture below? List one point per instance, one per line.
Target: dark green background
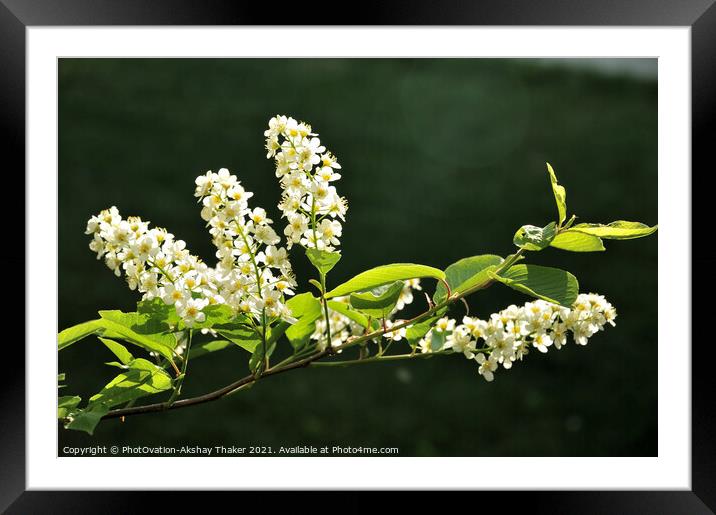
(442, 159)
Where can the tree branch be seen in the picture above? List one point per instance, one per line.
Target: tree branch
(218, 394)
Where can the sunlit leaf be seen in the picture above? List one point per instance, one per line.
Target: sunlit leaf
(323, 260)
(467, 273)
(378, 302)
(385, 274)
(619, 230)
(575, 241)
(530, 237)
(550, 284)
(560, 195)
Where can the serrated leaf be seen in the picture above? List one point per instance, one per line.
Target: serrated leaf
(550, 284)
(87, 419)
(142, 324)
(118, 325)
(147, 342)
(141, 378)
(68, 336)
(378, 302)
(323, 260)
(66, 404)
(243, 336)
(560, 195)
(303, 304)
(416, 331)
(118, 350)
(159, 311)
(307, 309)
(385, 274)
(139, 329)
(345, 310)
(530, 237)
(467, 273)
(619, 230)
(218, 314)
(575, 241)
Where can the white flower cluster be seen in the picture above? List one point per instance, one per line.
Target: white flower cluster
(253, 275)
(406, 295)
(154, 262)
(307, 170)
(508, 335)
(342, 328)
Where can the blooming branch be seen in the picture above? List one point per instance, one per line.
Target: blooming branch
(249, 297)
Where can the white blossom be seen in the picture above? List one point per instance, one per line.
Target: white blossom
(460, 340)
(487, 366)
(307, 172)
(191, 311)
(508, 334)
(158, 265)
(342, 327)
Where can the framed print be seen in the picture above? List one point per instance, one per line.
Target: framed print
(447, 249)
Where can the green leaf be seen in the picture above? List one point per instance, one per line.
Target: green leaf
(619, 230)
(86, 419)
(118, 350)
(438, 339)
(139, 330)
(560, 195)
(416, 331)
(66, 404)
(245, 337)
(307, 309)
(575, 241)
(218, 314)
(303, 305)
(530, 237)
(383, 275)
(345, 310)
(467, 273)
(143, 324)
(323, 260)
(132, 327)
(75, 333)
(141, 378)
(206, 348)
(550, 284)
(157, 310)
(378, 302)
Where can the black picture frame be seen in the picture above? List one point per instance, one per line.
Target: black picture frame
(699, 15)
